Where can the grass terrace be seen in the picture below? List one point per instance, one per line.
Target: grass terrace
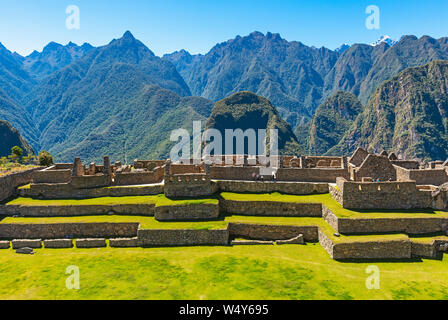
(334, 206)
(221, 223)
(158, 200)
(240, 272)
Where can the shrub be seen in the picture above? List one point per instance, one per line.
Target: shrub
(16, 154)
(45, 158)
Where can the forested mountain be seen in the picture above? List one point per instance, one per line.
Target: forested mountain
(245, 110)
(331, 121)
(298, 78)
(112, 101)
(122, 100)
(407, 115)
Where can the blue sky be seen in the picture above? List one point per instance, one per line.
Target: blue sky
(197, 25)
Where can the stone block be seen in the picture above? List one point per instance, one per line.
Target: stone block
(251, 242)
(123, 243)
(296, 240)
(34, 243)
(25, 251)
(58, 243)
(5, 245)
(91, 243)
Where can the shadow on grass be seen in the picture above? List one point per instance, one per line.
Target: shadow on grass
(363, 261)
(402, 211)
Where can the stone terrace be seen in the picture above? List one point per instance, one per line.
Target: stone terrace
(366, 206)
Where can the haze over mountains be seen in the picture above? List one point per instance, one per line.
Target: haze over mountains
(122, 100)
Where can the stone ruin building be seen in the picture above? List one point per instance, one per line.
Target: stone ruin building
(363, 181)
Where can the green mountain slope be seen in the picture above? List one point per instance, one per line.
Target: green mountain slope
(331, 121)
(410, 51)
(298, 78)
(289, 74)
(100, 97)
(407, 114)
(245, 110)
(10, 137)
(141, 129)
(14, 80)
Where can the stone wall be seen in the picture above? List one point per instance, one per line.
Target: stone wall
(139, 178)
(358, 157)
(322, 162)
(391, 225)
(366, 250)
(368, 225)
(10, 182)
(65, 191)
(189, 185)
(381, 195)
(271, 208)
(272, 232)
(88, 182)
(434, 177)
(375, 167)
(52, 175)
(185, 168)
(67, 230)
(77, 210)
(295, 188)
(233, 173)
(148, 164)
(182, 237)
(311, 174)
(371, 250)
(407, 164)
(424, 250)
(187, 212)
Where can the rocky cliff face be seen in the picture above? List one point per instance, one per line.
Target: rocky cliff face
(407, 114)
(10, 137)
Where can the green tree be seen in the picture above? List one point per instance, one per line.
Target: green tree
(16, 154)
(45, 158)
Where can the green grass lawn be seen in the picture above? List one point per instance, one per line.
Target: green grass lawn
(240, 272)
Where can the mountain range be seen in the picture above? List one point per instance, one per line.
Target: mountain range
(122, 100)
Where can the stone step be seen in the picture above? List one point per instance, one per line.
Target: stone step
(297, 240)
(58, 244)
(91, 243)
(251, 242)
(25, 243)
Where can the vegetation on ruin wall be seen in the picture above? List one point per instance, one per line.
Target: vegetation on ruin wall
(244, 272)
(10, 168)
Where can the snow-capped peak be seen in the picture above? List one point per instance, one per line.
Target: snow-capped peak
(386, 39)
